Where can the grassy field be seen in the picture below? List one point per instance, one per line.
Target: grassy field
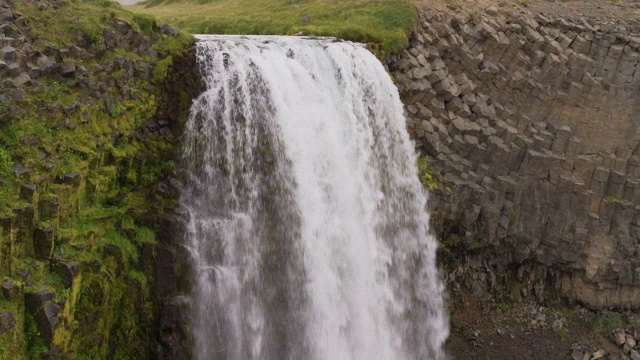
(384, 22)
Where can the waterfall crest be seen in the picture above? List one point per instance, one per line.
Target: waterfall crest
(307, 224)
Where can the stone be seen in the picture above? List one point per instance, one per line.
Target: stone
(20, 170)
(66, 269)
(7, 322)
(619, 336)
(27, 192)
(492, 11)
(8, 54)
(72, 178)
(43, 241)
(45, 63)
(556, 325)
(598, 355)
(9, 290)
(577, 354)
(22, 79)
(634, 354)
(45, 313)
(67, 70)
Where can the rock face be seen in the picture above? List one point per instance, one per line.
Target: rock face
(530, 126)
(89, 121)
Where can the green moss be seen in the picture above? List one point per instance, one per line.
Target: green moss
(82, 157)
(612, 198)
(426, 178)
(519, 143)
(161, 69)
(384, 22)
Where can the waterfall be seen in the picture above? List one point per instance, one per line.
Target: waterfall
(306, 219)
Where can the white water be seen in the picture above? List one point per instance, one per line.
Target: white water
(307, 222)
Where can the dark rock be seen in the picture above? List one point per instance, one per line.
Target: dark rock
(43, 241)
(45, 313)
(66, 269)
(20, 170)
(9, 290)
(7, 322)
(27, 191)
(167, 29)
(73, 178)
(116, 253)
(8, 54)
(174, 334)
(67, 70)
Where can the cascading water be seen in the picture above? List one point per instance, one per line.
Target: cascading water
(307, 222)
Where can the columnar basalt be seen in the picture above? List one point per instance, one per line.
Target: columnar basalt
(529, 124)
(89, 119)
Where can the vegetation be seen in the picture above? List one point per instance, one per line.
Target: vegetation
(384, 22)
(426, 178)
(95, 167)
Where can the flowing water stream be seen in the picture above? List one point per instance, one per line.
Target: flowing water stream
(307, 224)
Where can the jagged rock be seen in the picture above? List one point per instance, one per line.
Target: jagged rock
(7, 322)
(634, 355)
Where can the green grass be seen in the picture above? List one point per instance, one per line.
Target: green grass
(384, 22)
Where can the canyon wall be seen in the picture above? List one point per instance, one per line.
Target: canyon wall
(91, 103)
(529, 126)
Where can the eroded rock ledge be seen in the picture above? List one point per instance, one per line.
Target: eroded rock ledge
(530, 129)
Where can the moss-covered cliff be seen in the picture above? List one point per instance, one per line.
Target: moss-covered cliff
(89, 117)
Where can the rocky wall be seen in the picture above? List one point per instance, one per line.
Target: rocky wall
(92, 100)
(529, 125)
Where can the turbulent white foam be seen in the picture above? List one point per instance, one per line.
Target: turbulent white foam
(308, 227)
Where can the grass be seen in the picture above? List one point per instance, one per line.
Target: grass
(383, 22)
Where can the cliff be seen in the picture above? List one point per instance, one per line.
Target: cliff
(529, 129)
(91, 104)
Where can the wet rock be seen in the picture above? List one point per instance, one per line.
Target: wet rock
(174, 328)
